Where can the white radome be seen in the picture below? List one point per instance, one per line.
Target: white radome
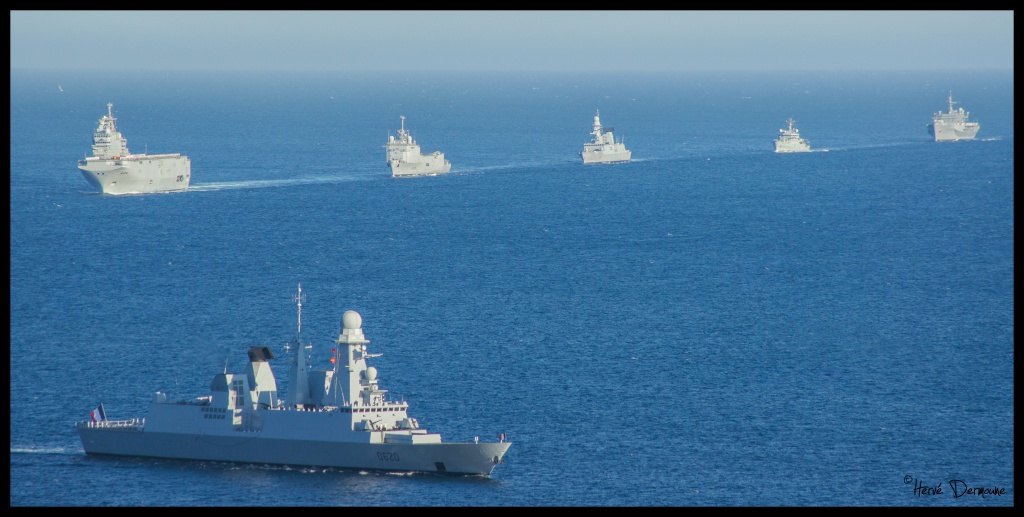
(352, 320)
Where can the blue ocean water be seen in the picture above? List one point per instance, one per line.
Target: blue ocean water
(711, 324)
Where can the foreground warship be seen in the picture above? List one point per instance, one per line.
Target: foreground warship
(331, 418)
(405, 159)
(604, 148)
(114, 170)
(953, 125)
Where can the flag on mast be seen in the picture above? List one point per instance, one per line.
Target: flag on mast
(98, 414)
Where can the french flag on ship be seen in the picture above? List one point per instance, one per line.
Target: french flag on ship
(98, 414)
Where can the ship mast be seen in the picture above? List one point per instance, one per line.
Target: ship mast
(110, 115)
(299, 298)
(298, 384)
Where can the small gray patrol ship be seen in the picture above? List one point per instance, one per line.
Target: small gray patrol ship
(790, 141)
(953, 125)
(604, 148)
(114, 170)
(405, 159)
(338, 417)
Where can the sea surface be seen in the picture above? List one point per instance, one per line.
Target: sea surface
(711, 324)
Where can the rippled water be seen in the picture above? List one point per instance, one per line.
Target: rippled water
(711, 324)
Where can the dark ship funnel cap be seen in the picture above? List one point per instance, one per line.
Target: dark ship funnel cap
(260, 354)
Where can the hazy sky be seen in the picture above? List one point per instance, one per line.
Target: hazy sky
(513, 40)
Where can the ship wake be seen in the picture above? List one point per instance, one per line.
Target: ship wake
(249, 184)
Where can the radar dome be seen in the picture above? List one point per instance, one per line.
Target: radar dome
(371, 373)
(352, 320)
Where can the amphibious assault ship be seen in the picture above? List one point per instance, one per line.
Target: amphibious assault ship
(114, 170)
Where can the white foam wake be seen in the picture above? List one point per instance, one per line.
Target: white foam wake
(226, 185)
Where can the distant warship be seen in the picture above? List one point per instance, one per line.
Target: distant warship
(405, 159)
(114, 170)
(953, 125)
(604, 148)
(789, 140)
(331, 418)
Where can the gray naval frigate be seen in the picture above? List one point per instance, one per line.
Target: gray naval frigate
(405, 159)
(604, 148)
(339, 417)
(953, 125)
(114, 170)
(790, 141)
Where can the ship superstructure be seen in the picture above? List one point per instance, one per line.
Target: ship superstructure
(338, 417)
(952, 125)
(405, 159)
(114, 170)
(604, 148)
(789, 140)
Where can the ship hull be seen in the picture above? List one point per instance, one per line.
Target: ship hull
(943, 132)
(252, 447)
(792, 148)
(423, 168)
(606, 157)
(145, 174)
